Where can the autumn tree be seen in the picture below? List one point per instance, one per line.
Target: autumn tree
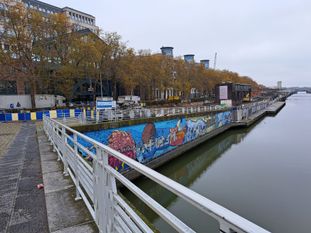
(24, 53)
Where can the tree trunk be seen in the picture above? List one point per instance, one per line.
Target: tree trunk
(114, 94)
(33, 93)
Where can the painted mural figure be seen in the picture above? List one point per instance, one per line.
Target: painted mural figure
(177, 134)
(124, 143)
(195, 128)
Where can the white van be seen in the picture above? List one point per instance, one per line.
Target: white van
(128, 99)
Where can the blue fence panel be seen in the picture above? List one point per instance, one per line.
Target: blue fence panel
(21, 116)
(27, 116)
(59, 113)
(2, 117)
(88, 113)
(66, 112)
(39, 115)
(77, 112)
(8, 117)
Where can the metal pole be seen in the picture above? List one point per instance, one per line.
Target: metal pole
(215, 61)
(101, 85)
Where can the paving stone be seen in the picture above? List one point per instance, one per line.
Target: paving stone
(55, 181)
(65, 215)
(86, 228)
(51, 166)
(48, 156)
(22, 205)
(64, 211)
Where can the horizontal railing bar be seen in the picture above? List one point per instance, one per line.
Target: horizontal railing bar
(86, 201)
(143, 226)
(126, 219)
(122, 224)
(88, 166)
(154, 205)
(202, 203)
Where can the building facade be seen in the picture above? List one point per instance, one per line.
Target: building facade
(81, 21)
(233, 93)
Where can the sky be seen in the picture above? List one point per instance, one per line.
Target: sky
(266, 40)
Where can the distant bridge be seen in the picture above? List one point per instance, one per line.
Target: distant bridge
(291, 91)
(300, 89)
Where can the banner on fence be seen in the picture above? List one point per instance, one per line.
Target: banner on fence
(105, 104)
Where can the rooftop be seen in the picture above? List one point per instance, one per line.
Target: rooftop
(55, 8)
(80, 12)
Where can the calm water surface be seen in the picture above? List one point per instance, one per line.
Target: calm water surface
(262, 173)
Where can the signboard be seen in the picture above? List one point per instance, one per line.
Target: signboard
(223, 92)
(105, 104)
(227, 103)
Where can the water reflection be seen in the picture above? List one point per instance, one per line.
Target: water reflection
(262, 174)
(185, 170)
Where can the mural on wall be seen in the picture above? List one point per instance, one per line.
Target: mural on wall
(146, 142)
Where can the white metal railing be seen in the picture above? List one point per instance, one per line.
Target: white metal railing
(96, 184)
(245, 111)
(138, 113)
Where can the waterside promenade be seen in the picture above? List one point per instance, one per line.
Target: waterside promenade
(22, 204)
(55, 207)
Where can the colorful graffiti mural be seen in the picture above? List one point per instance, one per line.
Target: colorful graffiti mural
(146, 142)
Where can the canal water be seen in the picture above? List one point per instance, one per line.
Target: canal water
(262, 173)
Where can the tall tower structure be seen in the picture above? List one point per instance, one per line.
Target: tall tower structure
(189, 58)
(205, 63)
(167, 51)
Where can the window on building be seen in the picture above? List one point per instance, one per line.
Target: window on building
(8, 87)
(6, 47)
(27, 88)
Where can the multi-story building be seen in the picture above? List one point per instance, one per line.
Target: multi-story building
(80, 20)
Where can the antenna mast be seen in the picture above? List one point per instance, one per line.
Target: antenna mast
(215, 61)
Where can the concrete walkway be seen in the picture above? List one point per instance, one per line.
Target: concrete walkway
(22, 205)
(8, 132)
(65, 215)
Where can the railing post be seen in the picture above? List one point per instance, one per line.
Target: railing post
(97, 116)
(63, 150)
(104, 190)
(225, 228)
(76, 162)
(84, 115)
(64, 116)
(54, 131)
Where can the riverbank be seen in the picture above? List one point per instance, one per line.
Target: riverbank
(270, 111)
(261, 172)
(161, 160)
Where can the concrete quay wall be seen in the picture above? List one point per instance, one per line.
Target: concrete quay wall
(270, 111)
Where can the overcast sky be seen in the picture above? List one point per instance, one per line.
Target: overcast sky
(266, 40)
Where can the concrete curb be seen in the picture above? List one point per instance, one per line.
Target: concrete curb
(65, 215)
